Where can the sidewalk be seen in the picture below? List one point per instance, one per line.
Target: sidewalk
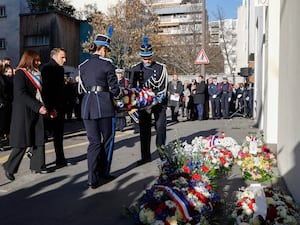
(61, 198)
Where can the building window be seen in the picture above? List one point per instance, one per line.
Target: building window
(36, 40)
(2, 43)
(2, 11)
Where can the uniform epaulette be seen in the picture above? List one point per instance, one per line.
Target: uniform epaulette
(164, 65)
(106, 59)
(85, 61)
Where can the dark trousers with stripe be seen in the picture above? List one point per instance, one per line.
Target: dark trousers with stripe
(100, 133)
(145, 122)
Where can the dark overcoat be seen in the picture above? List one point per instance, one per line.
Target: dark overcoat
(53, 86)
(98, 71)
(27, 127)
(199, 96)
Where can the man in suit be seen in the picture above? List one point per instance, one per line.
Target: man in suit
(53, 92)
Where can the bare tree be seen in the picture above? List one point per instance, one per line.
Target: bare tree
(227, 41)
(46, 5)
(131, 20)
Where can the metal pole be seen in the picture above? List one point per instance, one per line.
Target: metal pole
(204, 16)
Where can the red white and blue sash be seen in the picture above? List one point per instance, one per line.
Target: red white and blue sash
(35, 80)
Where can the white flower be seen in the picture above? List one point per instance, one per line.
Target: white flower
(147, 216)
(172, 220)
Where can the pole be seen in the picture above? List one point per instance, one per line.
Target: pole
(204, 17)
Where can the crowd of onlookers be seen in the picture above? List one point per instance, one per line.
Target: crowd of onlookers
(198, 99)
(6, 97)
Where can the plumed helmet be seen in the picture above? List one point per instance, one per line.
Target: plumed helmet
(104, 40)
(146, 48)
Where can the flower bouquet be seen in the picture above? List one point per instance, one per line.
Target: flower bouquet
(256, 160)
(177, 198)
(280, 208)
(136, 98)
(228, 142)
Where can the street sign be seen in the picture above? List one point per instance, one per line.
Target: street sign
(201, 58)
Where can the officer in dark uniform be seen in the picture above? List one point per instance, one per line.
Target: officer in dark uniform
(214, 97)
(153, 75)
(99, 82)
(121, 116)
(225, 89)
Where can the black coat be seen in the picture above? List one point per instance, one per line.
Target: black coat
(53, 86)
(199, 96)
(27, 127)
(98, 71)
(6, 97)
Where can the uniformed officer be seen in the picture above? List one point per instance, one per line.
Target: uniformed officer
(214, 97)
(225, 89)
(121, 116)
(99, 82)
(151, 74)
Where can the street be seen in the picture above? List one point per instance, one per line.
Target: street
(62, 197)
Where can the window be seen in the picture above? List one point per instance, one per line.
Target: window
(36, 40)
(2, 11)
(2, 43)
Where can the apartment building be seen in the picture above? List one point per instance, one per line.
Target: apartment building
(39, 31)
(223, 33)
(10, 28)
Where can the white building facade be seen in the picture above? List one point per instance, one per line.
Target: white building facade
(269, 30)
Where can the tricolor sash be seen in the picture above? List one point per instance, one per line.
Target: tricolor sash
(35, 80)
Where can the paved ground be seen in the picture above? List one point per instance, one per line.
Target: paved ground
(61, 197)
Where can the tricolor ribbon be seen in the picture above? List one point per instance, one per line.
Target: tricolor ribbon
(35, 80)
(212, 140)
(179, 200)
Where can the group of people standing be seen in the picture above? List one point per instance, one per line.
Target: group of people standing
(37, 91)
(38, 105)
(6, 98)
(200, 100)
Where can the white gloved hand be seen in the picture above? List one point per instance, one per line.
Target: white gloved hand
(247, 98)
(214, 96)
(229, 99)
(239, 95)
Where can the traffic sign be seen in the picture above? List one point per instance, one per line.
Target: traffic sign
(201, 58)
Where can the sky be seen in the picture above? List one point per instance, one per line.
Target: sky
(229, 7)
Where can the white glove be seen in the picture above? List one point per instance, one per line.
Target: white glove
(229, 99)
(214, 96)
(239, 95)
(247, 98)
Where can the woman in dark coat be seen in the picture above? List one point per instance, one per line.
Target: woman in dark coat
(27, 127)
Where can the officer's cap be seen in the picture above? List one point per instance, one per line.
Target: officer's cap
(146, 48)
(225, 78)
(119, 71)
(104, 40)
